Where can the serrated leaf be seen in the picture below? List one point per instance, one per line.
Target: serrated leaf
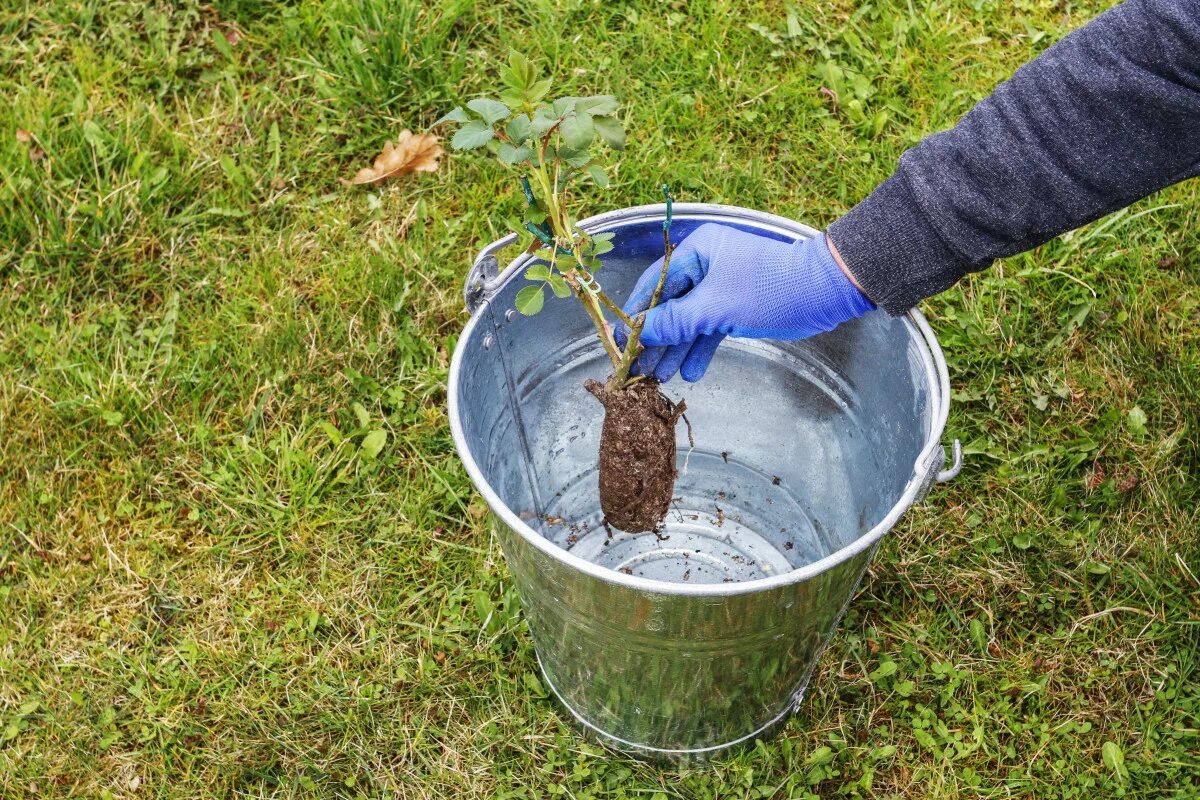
(564, 105)
(530, 300)
(544, 119)
(513, 155)
(610, 131)
(578, 131)
(457, 115)
(519, 129)
(491, 110)
(372, 444)
(538, 272)
(535, 215)
(573, 157)
(512, 97)
(596, 105)
(545, 254)
(558, 285)
(603, 236)
(519, 72)
(537, 91)
(472, 136)
(600, 248)
(598, 175)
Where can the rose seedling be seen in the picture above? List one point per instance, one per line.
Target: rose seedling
(552, 146)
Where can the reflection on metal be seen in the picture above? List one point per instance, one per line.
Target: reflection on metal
(807, 454)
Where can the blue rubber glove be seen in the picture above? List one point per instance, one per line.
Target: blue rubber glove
(726, 282)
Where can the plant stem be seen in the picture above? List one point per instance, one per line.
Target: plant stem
(592, 307)
(633, 346)
(615, 309)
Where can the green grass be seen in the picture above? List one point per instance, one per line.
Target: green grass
(207, 588)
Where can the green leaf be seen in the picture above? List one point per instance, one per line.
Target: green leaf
(372, 444)
(492, 111)
(578, 131)
(558, 285)
(538, 272)
(610, 131)
(530, 300)
(535, 93)
(519, 129)
(535, 215)
(886, 669)
(1114, 758)
(564, 105)
(472, 136)
(513, 155)
(596, 105)
(512, 97)
(575, 158)
(519, 73)
(1135, 420)
(603, 236)
(822, 755)
(112, 418)
(543, 120)
(600, 248)
(457, 115)
(545, 254)
(222, 44)
(979, 636)
(598, 175)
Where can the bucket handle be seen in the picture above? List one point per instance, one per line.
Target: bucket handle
(936, 471)
(483, 279)
(956, 464)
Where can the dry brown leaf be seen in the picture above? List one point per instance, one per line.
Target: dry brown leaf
(413, 152)
(36, 154)
(24, 136)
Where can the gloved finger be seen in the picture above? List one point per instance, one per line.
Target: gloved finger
(681, 274)
(647, 360)
(668, 365)
(677, 321)
(699, 356)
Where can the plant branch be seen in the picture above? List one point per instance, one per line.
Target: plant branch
(615, 309)
(633, 346)
(592, 307)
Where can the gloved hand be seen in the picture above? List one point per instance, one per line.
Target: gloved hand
(725, 282)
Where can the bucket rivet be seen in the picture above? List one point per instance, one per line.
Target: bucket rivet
(487, 342)
(510, 315)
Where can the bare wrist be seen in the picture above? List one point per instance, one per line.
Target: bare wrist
(837, 257)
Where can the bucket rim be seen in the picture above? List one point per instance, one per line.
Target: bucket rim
(936, 372)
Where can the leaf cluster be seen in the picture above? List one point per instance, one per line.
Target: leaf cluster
(521, 129)
(553, 143)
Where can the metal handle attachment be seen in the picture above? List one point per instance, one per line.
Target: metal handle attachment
(956, 464)
(483, 279)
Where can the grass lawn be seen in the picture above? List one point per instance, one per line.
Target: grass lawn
(208, 588)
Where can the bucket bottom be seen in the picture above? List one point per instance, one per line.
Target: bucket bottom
(682, 757)
(729, 522)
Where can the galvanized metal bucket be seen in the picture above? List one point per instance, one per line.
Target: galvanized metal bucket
(806, 454)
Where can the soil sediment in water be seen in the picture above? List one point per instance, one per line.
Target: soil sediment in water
(637, 455)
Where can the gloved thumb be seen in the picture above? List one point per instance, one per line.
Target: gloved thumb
(675, 322)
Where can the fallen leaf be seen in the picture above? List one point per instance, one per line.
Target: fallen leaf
(418, 152)
(24, 136)
(36, 154)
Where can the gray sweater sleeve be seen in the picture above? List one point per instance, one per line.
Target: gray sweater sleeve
(1105, 117)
